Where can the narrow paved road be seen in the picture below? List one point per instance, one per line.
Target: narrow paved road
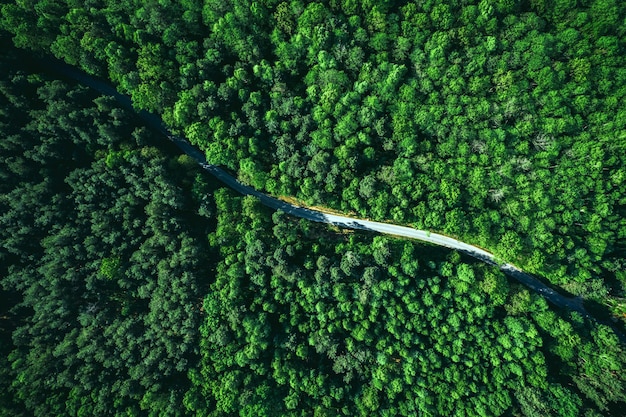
(156, 123)
(386, 228)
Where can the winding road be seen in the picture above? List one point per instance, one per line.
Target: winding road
(385, 228)
(512, 271)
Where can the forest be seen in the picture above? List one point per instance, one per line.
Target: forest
(500, 123)
(132, 283)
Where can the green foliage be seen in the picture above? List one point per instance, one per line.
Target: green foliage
(110, 267)
(499, 116)
(496, 122)
(89, 333)
(341, 324)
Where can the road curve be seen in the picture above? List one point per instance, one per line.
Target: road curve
(510, 270)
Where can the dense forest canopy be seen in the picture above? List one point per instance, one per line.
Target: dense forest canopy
(501, 123)
(139, 286)
(101, 255)
(132, 284)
